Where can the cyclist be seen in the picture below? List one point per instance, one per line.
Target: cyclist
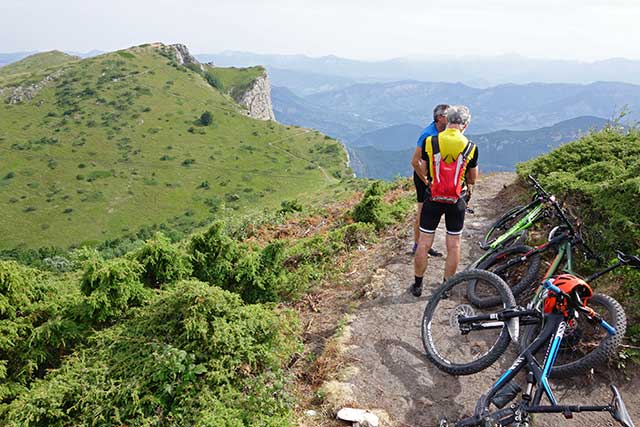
(455, 168)
(438, 124)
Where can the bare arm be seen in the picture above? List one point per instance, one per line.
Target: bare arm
(419, 166)
(472, 175)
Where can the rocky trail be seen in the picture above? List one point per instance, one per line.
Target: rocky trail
(387, 371)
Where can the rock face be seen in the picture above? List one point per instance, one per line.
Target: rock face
(183, 56)
(18, 94)
(257, 99)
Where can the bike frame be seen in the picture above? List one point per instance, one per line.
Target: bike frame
(552, 333)
(525, 223)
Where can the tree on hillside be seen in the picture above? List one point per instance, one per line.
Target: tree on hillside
(206, 118)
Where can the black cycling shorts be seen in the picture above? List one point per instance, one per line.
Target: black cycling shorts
(453, 216)
(421, 187)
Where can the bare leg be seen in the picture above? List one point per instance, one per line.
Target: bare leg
(420, 260)
(453, 254)
(416, 225)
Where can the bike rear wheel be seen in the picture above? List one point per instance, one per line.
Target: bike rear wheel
(585, 345)
(450, 349)
(519, 274)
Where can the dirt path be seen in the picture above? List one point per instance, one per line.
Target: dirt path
(390, 373)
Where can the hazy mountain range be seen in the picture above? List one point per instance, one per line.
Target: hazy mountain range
(349, 113)
(386, 153)
(474, 71)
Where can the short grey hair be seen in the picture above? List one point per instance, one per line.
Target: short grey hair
(458, 115)
(440, 110)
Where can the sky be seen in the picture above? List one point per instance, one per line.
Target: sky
(585, 30)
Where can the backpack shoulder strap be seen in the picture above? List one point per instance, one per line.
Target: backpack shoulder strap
(435, 144)
(437, 157)
(462, 159)
(467, 150)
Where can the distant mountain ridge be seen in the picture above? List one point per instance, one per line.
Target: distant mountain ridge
(474, 71)
(514, 107)
(388, 151)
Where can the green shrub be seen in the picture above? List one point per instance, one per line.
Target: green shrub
(371, 209)
(206, 118)
(290, 206)
(195, 356)
(36, 333)
(213, 254)
(599, 175)
(161, 262)
(111, 287)
(213, 81)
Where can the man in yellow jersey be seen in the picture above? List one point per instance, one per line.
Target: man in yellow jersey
(453, 148)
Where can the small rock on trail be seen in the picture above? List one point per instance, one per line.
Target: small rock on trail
(394, 376)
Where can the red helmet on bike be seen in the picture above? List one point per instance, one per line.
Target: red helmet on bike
(568, 283)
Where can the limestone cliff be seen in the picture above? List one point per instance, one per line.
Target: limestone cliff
(257, 99)
(183, 56)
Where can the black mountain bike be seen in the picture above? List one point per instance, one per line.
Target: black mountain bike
(460, 348)
(503, 391)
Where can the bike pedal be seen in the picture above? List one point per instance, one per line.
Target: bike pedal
(567, 414)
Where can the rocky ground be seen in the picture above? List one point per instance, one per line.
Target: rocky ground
(387, 371)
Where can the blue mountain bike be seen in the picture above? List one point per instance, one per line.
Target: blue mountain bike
(561, 308)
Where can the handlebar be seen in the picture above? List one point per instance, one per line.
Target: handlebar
(631, 260)
(538, 187)
(552, 200)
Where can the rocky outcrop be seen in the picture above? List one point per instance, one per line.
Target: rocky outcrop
(257, 99)
(18, 94)
(183, 56)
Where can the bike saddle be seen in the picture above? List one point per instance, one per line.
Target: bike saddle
(619, 410)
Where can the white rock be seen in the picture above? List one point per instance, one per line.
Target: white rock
(358, 416)
(311, 413)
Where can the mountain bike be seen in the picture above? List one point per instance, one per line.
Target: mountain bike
(460, 347)
(566, 306)
(514, 225)
(519, 265)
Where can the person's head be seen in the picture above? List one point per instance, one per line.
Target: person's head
(440, 116)
(458, 116)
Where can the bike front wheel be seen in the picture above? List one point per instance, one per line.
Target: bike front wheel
(451, 347)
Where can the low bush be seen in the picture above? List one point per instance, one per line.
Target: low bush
(161, 261)
(195, 356)
(111, 288)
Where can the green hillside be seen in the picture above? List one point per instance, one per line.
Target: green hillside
(114, 143)
(34, 63)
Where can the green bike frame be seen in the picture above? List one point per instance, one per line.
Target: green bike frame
(525, 223)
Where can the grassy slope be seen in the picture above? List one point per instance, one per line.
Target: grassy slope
(35, 63)
(110, 120)
(232, 77)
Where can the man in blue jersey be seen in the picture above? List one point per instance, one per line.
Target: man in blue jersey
(420, 169)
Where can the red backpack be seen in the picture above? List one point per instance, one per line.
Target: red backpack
(446, 185)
